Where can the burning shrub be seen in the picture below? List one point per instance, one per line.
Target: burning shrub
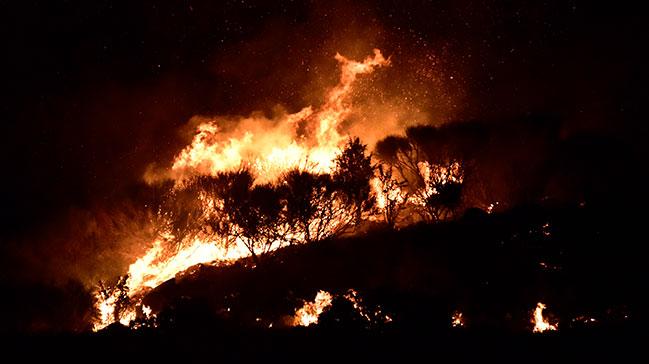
(439, 193)
(116, 303)
(391, 193)
(311, 202)
(259, 222)
(433, 188)
(353, 174)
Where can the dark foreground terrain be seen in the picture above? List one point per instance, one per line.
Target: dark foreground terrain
(317, 345)
(583, 264)
(586, 264)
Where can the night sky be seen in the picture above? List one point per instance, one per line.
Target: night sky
(94, 91)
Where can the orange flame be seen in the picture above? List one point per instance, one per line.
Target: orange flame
(272, 147)
(457, 319)
(309, 313)
(540, 323)
(433, 175)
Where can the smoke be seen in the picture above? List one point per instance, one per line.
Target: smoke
(77, 204)
(85, 245)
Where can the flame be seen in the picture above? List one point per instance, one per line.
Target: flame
(269, 148)
(310, 312)
(272, 147)
(370, 316)
(107, 306)
(457, 319)
(435, 175)
(146, 310)
(540, 323)
(158, 266)
(387, 193)
(308, 140)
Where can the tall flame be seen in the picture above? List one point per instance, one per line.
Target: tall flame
(540, 323)
(309, 138)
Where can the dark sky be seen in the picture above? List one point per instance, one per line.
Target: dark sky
(93, 91)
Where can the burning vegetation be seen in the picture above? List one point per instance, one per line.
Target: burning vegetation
(246, 189)
(541, 324)
(257, 175)
(311, 311)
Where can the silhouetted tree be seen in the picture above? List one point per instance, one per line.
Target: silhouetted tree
(304, 192)
(393, 194)
(314, 208)
(223, 194)
(253, 214)
(440, 193)
(118, 293)
(353, 174)
(402, 155)
(428, 167)
(232, 207)
(181, 211)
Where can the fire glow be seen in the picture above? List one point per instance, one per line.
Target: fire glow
(268, 153)
(261, 153)
(311, 311)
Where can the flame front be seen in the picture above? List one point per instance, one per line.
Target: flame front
(309, 139)
(157, 266)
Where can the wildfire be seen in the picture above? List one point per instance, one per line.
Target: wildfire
(387, 193)
(106, 306)
(434, 177)
(310, 312)
(540, 323)
(158, 266)
(308, 140)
